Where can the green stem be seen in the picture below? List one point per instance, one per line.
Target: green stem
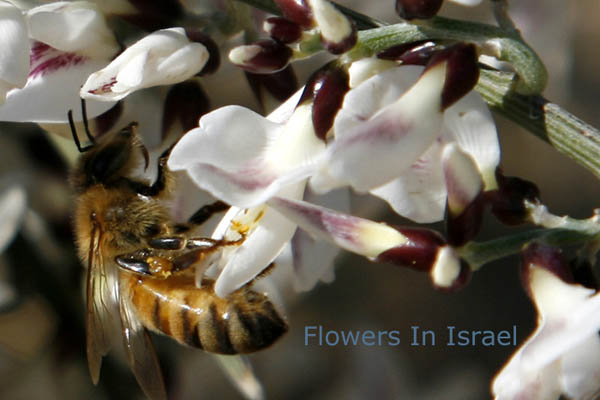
(479, 253)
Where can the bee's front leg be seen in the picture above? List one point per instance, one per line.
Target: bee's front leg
(167, 255)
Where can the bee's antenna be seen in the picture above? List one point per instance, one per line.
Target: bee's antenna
(85, 121)
(74, 132)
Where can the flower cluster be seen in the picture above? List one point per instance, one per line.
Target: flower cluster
(396, 121)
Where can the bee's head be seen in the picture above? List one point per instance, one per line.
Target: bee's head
(108, 159)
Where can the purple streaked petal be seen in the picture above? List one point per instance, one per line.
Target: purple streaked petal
(354, 234)
(164, 57)
(73, 27)
(242, 158)
(418, 194)
(313, 259)
(53, 90)
(374, 152)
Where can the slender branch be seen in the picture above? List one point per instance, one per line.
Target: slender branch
(478, 254)
(567, 133)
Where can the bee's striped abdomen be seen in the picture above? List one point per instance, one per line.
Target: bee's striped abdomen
(243, 323)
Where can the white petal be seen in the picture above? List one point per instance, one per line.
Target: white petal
(463, 181)
(471, 124)
(418, 194)
(354, 234)
(132, 73)
(183, 63)
(73, 27)
(383, 89)
(242, 158)
(335, 26)
(374, 152)
(14, 58)
(239, 371)
(581, 370)
(366, 68)
(256, 253)
(569, 318)
(52, 92)
(147, 63)
(313, 260)
(12, 206)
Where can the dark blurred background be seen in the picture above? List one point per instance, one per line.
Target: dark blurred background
(42, 352)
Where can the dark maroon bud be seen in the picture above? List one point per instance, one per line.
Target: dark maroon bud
(462, 72)
(214, 56)
(464, 227)
(508, 201)
(419, 253)
(153, 15)
(411, 9)
(297, 11)
(282, 30)
(422, 49)
(346, 44)
(327, 88)
(272, 56)
(543, 256)
(186, 102)
(463, 279)
(280, 85)
(106, 121)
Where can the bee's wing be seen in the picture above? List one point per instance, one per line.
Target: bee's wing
(102, 294)
(140, 351)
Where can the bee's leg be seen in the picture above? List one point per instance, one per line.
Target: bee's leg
(202, 215)
(160, 264)
(139, 266)
(207, 211)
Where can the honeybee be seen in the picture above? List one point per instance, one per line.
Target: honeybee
(140, 266)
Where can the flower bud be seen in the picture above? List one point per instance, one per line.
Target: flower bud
(160, 58)
(283, 30)
(262, 57)
(462, 72)
(426, 250)
(338, 33)
(297, 11)
(465, 200)
(416, 248)
(508, 201)
(214, 56)
(411, 9)
(540, 264)
(327, 88)
(416, 53)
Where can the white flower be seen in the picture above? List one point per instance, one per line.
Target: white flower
(164, 57)
(14, 58)
(389, 139)
(63, 44)
(72, 27)
(562, 356)
(243, 159)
